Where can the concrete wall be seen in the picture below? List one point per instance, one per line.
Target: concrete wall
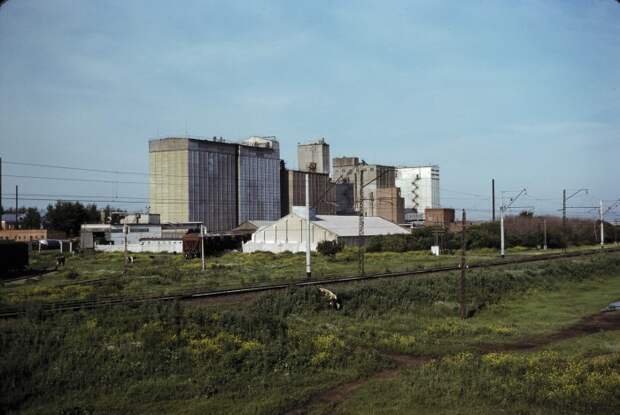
(387, 204)
(144, 246)
(169, 180)
(376, 176)
(136, 232)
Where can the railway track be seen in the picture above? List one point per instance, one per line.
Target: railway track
(72, 305)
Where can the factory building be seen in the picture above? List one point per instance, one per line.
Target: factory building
(314, 157)
(379, 185)
(388, 204)
(419, 187)
(217, 183)
(293, 191)
(344, 199)
(290, 233)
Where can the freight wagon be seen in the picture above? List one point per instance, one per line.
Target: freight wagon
(13, 257)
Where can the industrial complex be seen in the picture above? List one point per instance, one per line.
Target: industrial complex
(242, 191)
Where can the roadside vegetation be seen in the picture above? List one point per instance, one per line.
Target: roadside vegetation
(282, 351)
(96, 275)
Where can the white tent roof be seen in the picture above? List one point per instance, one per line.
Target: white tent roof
(349, 225)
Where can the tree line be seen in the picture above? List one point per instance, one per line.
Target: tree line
(63, 216)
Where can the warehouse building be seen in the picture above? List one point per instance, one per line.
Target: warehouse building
(290, 233)
(214, 182)
(419, 187)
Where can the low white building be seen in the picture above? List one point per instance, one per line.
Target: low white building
(290, 233)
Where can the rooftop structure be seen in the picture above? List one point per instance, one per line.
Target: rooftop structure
(314, 157)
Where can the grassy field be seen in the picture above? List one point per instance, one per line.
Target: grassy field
(96, 275)
(288, 350)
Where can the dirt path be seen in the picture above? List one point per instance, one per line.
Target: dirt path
(589, 325)
(334, 396)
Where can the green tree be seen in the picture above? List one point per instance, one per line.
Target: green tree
(32, 219)
(68, 217)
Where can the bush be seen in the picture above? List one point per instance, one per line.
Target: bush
(329, 248)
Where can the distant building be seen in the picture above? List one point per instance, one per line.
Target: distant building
(419, 186)
(144, 234)
(375, 176)
(217, 183)
(29, 235)
(293, 191)
(291, 232)
(388, 204)
(9, 220)
(442, 217)
(314, 157)
(344, 199)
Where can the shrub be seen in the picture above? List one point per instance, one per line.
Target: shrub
(329, 248)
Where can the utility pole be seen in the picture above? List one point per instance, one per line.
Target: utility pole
(125, 231)
(545, 234)
(308, 233)
(202, 247)
(493, 198)
(602, 227)
(564, 207)
(463, 308)
(502, 211)
(565, 244)
(360, 250)
(16, 207)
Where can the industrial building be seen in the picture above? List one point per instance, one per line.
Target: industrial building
(442, 217)
(388, 204)
(293, 191)
(217, 183)
(145, 233)
(378, 187)
(314, 157)
(291, 232)
(419, 187)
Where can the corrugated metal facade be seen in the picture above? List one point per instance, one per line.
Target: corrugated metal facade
(259, 183)
(219, 184)
(213, 185)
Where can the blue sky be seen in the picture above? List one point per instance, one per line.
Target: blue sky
(526, 92)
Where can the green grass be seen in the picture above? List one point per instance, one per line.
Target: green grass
(168, 273)
(276, 353)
